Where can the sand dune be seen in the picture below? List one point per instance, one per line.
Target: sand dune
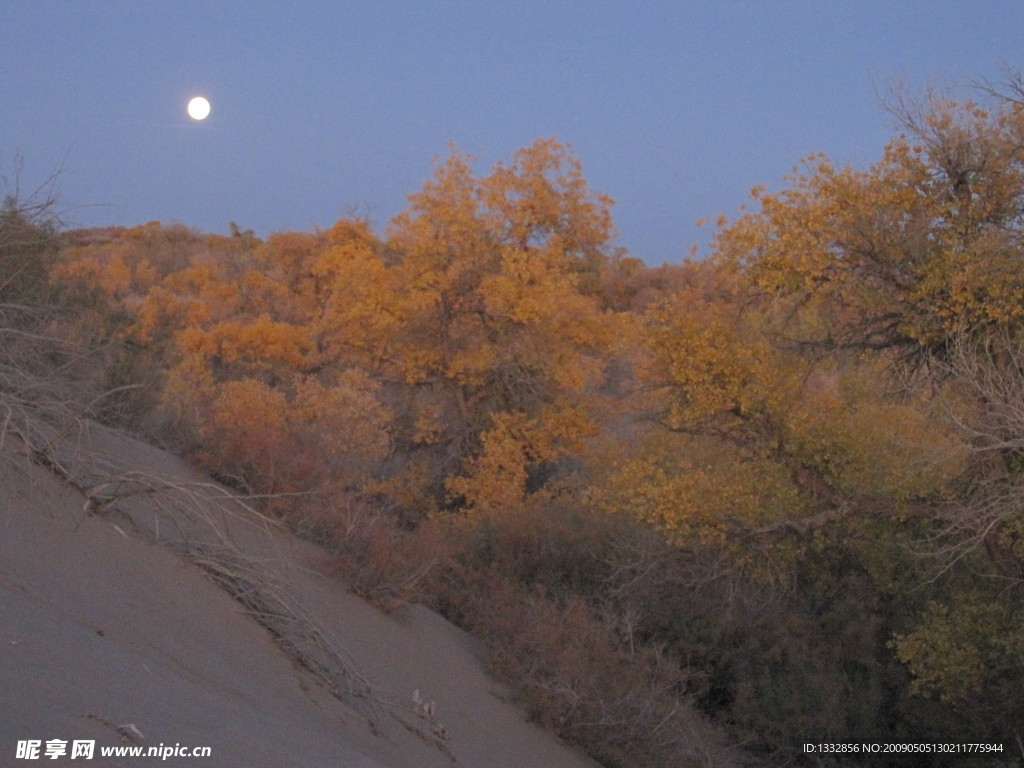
(140, 605)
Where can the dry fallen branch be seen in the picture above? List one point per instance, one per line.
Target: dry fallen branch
(297, 634)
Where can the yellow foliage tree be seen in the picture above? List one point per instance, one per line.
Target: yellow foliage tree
(757, 433)
(473, 311)
(906, 254)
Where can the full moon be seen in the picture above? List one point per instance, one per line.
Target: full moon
(198, 108)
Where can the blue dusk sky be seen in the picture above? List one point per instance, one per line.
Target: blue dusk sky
(328, 109)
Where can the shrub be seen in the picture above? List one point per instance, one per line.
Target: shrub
(534, 584)
(379, 560)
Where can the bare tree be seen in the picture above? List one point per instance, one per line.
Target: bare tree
(983, 398)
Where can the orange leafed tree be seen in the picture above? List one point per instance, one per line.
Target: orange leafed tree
(474, 310)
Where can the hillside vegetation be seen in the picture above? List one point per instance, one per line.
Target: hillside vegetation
(769, 498)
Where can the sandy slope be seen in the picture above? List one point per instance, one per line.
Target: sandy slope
(108, 619)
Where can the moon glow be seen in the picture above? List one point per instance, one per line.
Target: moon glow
(198, 108)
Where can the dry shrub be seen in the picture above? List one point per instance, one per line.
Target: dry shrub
(533, 583)
(577, 678)
(380, 559)
(385, 565)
